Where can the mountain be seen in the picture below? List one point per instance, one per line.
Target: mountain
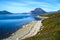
(38, 11)
(52, 12)
(58, 11)
(5, 12)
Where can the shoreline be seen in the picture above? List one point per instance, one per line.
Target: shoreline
(26, 31)
(34, 30)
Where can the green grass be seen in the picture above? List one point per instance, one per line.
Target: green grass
(51, 29)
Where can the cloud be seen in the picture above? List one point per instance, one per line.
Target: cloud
(14, 7)
(46, 5)
(13, 3)
(28, 5)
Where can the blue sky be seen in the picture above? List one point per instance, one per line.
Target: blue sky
(19, 6)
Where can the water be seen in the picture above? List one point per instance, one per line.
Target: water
(10, 23)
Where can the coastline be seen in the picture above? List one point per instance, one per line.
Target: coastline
(26, 31)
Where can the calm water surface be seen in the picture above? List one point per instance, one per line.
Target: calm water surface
(10, 23)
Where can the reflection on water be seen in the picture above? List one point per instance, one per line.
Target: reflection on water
(13, 22)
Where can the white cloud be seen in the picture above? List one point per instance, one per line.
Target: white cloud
(15, 3)
(29, 5)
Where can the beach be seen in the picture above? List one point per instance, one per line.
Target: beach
(26, 31)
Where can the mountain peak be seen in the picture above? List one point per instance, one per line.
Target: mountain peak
(38, 11)
(4, 11)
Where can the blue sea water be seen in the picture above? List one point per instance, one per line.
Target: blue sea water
(10, 23)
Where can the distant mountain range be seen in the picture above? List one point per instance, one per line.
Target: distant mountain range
(53, 12)
(37, 11)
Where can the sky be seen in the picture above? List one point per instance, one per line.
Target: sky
(20, 6)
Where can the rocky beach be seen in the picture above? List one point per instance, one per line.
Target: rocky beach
(27, 30)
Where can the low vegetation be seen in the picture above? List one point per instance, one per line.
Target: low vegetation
(51, 29)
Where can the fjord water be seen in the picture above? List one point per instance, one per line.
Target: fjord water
(10, 23)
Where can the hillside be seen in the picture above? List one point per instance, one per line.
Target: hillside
(51, 28)
(5, 12)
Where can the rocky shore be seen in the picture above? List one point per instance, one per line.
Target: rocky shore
(26, 31)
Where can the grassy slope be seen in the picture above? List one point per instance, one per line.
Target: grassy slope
(51, 29)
